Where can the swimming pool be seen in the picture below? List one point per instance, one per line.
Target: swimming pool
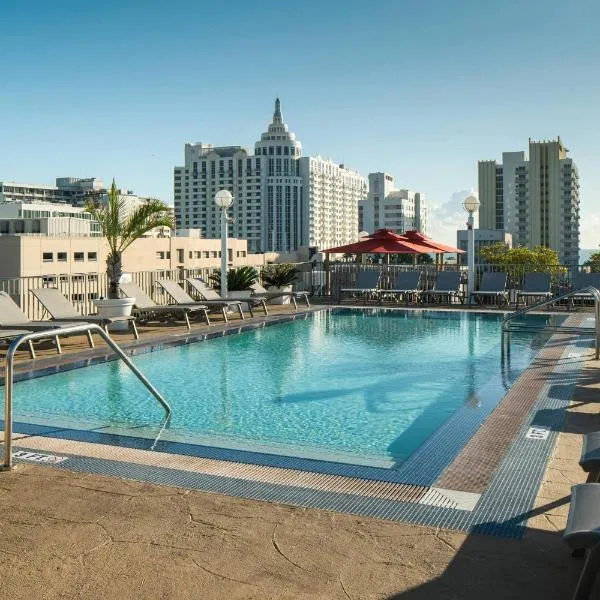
(359, 386)
(365, 387)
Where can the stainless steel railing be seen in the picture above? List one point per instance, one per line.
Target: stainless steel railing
(505, 327)
(50, 333)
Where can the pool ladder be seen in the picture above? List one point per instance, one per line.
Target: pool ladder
(88, 328)
(506, 327)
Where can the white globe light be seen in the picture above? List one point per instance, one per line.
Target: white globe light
(223, 199)
(471, 204)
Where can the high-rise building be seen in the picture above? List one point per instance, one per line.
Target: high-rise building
(536, 200)
(332, 195)
(388, 208)
(282, 201)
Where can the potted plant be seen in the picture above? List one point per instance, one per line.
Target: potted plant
(239, 282)
(279, 278)
(121, 227)
(239, 279)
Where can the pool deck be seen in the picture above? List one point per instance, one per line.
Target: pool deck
(80, 535)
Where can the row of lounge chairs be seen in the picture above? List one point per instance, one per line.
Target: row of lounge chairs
(14, 322)
(447, 286)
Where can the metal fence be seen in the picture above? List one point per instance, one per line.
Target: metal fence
(343, 275)
(83, 288)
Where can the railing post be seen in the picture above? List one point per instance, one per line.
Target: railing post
(49, 333)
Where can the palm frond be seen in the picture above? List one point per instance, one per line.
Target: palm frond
(153, 213)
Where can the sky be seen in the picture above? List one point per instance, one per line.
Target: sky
(420, 90)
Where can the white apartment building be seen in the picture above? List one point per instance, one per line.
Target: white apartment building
(388, 208)
(274, 207)
(536, 200)
(332, 194)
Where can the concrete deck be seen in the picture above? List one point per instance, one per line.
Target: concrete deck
(73, 535)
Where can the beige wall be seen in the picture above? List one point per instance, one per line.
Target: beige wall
(22, 256)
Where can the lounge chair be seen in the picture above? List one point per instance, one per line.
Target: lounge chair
(583, 280)
(447, 283)
(582, 533)
(536, 285)
(13, 318)
(60, 309)
(209, 296)
(145, 309)
(406, 285)
(8, 335)
(366, 286)
(258, 291)
(493, 285)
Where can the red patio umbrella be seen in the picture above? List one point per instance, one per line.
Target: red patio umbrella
(383, 241)
(415, 237)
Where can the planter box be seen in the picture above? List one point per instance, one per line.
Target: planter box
(282, 299)
(120, 307)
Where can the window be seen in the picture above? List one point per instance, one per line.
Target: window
(78, 256)
(61, 256)
(198, 254)
(47, 256)
(160, 255)
(180, 255)
(92, 256)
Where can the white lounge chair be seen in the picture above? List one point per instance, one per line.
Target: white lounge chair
(258, 291)
(60, 309)
(145, 309)
(209, 295)
(13, 318)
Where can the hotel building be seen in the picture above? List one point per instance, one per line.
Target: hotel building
(389, 208)
(281, 201)
(534, 199)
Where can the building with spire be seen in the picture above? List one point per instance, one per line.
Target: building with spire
(281, 200)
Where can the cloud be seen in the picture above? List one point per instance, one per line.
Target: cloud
(590, 230)
(444, 219)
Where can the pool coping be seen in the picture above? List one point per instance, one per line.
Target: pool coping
(479, 516)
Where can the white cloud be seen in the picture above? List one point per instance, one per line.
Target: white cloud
(446, 218)
(590, 231)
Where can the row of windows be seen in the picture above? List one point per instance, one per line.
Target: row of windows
(63, 256)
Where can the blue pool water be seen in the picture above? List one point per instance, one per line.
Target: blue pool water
(359, 386)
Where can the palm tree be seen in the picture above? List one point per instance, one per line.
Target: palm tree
(121, 229)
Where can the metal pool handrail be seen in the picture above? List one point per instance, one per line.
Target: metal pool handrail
(50, 333)
(505, 327)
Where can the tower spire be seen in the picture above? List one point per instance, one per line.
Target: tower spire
(277, 118)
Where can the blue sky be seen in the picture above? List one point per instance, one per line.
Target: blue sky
(421, 90)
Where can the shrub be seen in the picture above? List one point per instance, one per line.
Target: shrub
(238, 279)
(279, 275)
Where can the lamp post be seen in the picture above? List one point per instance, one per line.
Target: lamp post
(223, 199)
(471, 205)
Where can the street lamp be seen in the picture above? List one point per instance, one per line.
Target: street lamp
(471, 205)
(223, 199)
